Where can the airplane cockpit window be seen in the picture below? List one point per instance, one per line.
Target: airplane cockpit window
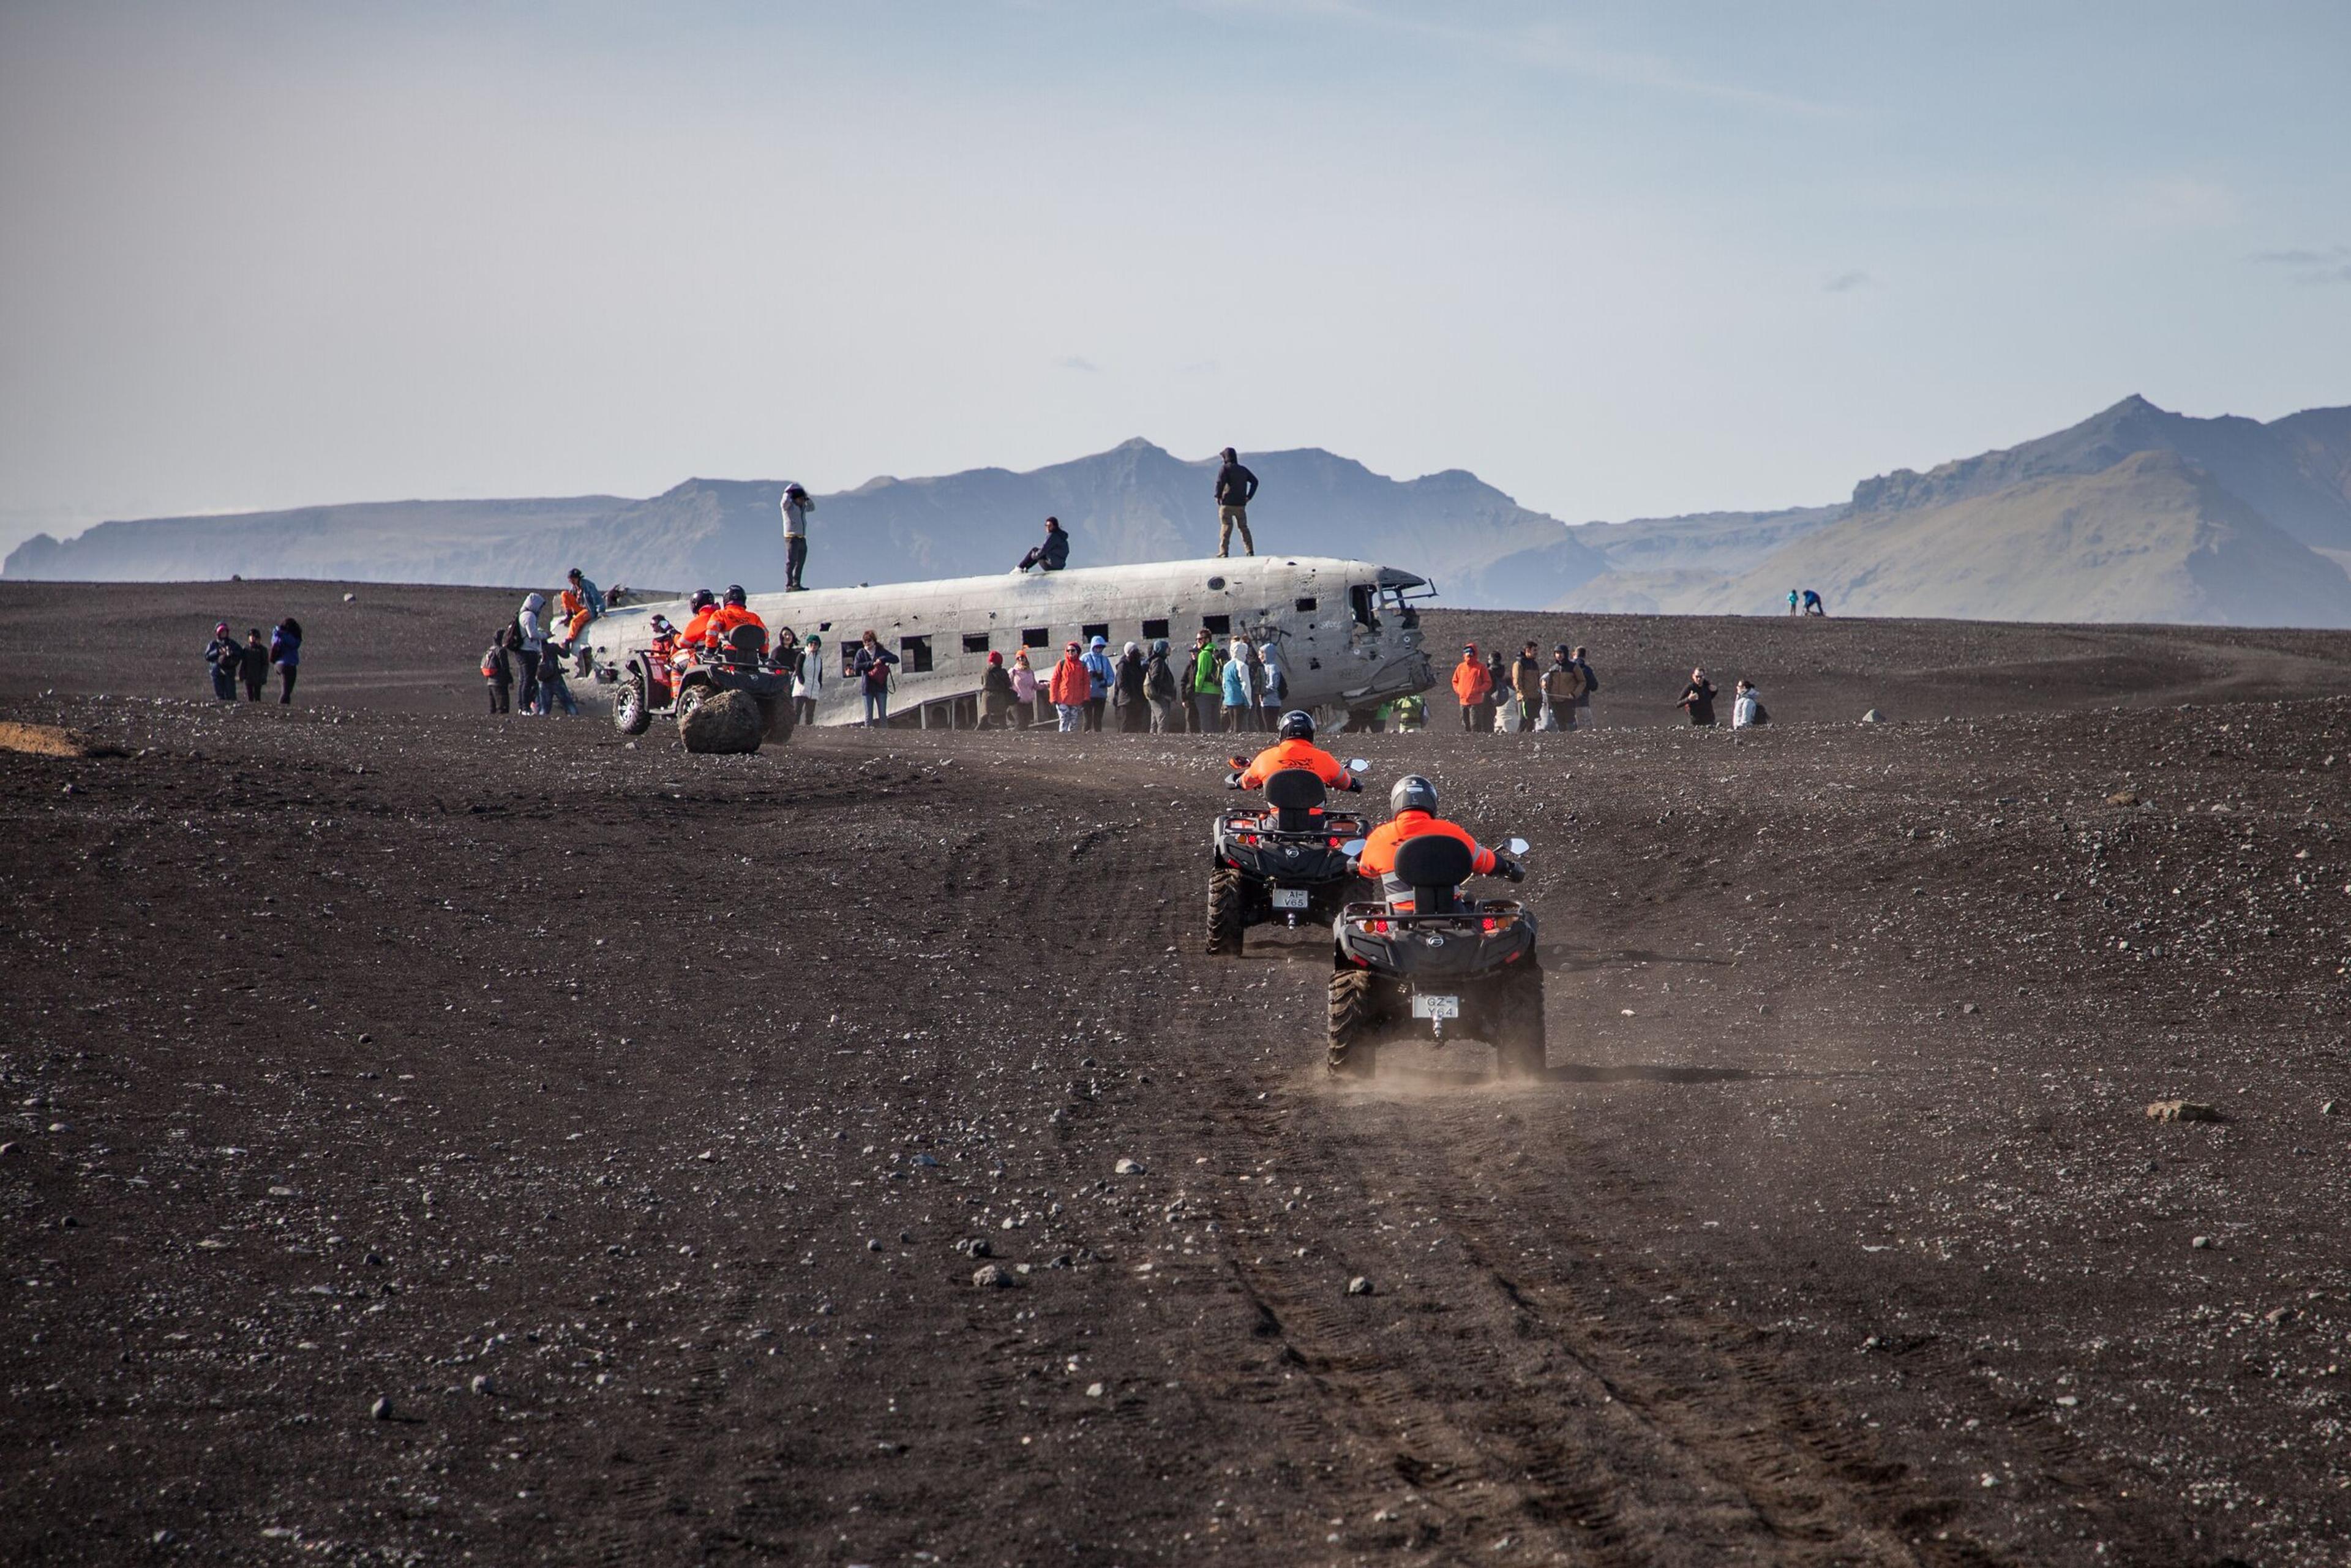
(1399, 602)
(1358, 600)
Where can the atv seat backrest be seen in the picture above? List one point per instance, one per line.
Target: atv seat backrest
(1433, 865)
(1294, 794)
(747, 644)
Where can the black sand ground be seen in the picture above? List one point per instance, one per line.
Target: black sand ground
(624, 1121)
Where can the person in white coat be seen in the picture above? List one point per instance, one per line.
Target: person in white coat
(1746, 707)
(530, 626)
(808, 680)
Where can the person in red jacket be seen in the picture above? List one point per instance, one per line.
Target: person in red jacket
(1473, 684)
(1413, 802)
(1070, 689)
(1295, 750)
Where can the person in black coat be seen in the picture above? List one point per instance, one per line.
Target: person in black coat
(1127, 694)
(256, 664)
(225, 658)
(1053, 554)
(1236, 489)
(1698, 700)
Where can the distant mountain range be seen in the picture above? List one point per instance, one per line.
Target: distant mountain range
(2135, 514)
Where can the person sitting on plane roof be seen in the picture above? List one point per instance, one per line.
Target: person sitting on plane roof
(1050, 556)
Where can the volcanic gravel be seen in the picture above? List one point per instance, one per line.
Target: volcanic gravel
(426, 1137)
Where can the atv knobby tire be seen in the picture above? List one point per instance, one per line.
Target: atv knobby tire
(1358, 1019)
(629, 715)
(1226, 915)
(693, 697)
(1514, 1022)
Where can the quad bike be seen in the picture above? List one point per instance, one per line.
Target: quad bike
(1465, 962)
(649, 686)
(1285, 862)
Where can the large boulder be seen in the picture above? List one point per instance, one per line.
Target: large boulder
(729, 722)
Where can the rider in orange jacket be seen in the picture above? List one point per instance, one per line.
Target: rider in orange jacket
(1295, 750)
(1414, 801)
(697, 635)
(731, 613)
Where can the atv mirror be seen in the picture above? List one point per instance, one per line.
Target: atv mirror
(1358, 765)
(1516, 846)
(1352, 847)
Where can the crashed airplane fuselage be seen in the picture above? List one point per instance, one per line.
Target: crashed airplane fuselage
(1346, 631)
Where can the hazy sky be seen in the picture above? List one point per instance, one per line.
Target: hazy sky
(1706, 255)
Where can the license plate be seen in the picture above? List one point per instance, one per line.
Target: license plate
(1290, 898)
(1436, 1007)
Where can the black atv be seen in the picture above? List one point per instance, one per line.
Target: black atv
(647, 688)
(1285, 862)
(1463, 962)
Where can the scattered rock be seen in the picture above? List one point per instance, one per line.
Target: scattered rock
(2181, 1111)
(2324, 1109)
(2203, 1243)
(1128, 1168)
(382, 1409)
(925, 1161)
(1969, 1007)
(995, 1277)
(1093, 1390)
(976, 1247)
(2277, 1315)
(728, 724)
(1873, 717)
(2123, 797)
(1359, 1286)
(483, 1386)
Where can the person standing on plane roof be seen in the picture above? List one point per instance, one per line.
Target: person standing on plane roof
(1236, 489)
(796, 506)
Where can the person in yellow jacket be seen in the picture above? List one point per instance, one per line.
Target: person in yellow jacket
(1296, 748)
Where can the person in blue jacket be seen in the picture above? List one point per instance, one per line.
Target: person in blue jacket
(1099, 673)
(286, 652)
(1240, 689)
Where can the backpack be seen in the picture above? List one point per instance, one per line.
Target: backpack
(490, 665)
(1591, 681)
(1762, 715)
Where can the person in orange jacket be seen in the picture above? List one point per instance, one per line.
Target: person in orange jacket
(1295, 750)
(1473, 684)
(1073, 684)
(695, 637)
(1413, 802)
(732, 613)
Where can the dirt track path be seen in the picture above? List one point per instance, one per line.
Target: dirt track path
(1833, 1235)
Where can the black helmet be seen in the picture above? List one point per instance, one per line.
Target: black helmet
(735, 594)
(1412, 793)
(702, 600)
(1298, 724)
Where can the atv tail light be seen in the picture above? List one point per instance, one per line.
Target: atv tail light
(1377, 927)
(1492, 923)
